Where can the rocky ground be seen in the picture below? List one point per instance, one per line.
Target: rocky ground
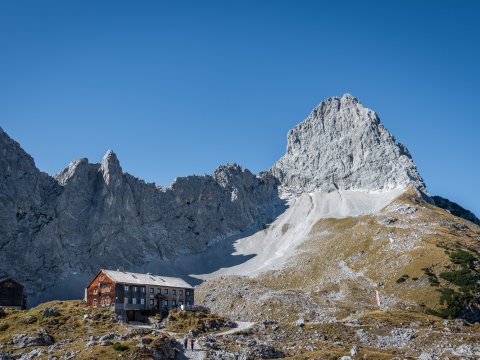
(419, 257)
(377, 335)
(70, 330)
(62, 330)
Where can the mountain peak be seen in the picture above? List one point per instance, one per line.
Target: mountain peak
(349, 97)
(110, 166)
(342, 145)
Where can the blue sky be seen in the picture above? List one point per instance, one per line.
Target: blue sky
(179, 87)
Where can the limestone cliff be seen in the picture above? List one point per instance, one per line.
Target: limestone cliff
(342, 145)
(95, 215)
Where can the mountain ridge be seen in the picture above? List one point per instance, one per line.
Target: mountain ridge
(93, 215)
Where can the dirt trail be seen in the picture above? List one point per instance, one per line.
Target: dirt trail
(241, 325)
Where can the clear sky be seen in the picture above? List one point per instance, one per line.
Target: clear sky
(179, 87)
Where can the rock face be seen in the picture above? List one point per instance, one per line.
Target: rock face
(342, 145)
(94, 215)
(455, 209)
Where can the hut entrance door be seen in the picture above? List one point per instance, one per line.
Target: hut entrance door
(130, 315)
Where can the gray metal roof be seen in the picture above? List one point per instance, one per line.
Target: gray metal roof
(146, 279)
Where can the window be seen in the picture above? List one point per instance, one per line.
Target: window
(126, 287)
(174, 303)
(180, 302)
(134, 300)
(152, 302)
(174, 292)
(95, 291)
(142, 289)
(187, 292)
(152, 290)
(188, 302)
(180, 292)
(165, 291)
(134, 288)
(142, 301)
(165, 302)
(95, 302)
(125, 300)
(159, 291)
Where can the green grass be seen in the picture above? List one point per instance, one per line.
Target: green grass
(120, 347)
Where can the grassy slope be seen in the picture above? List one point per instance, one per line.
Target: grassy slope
(343, 260)
(69, 325)
(336, 272)
(374, 253)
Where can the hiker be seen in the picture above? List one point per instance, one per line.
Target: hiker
(185, 342)
(192, 342)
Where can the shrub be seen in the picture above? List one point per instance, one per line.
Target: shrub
(461, 257)
(2, 313)
(119, 347)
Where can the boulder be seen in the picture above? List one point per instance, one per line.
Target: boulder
(50, 311)
(40, 338)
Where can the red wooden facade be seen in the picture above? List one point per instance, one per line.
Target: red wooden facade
(101, 291)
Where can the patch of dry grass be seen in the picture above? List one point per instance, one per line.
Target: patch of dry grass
(69, 325)
(198, 321)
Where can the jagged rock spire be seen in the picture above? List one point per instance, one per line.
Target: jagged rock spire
(110, 167)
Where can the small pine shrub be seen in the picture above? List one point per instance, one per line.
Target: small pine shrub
(461, 257)
(119, 347)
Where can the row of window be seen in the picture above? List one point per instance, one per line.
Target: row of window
(105, 289)
(152, 302)
(166, 303)
(159, 290)
(134, 301)
(134, 288)
(104, 302)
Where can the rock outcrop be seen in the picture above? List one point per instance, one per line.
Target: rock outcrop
(455, 209)
(342, 145)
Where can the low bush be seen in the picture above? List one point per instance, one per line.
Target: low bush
(119, 347)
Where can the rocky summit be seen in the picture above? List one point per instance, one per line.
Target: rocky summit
(342, 145)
